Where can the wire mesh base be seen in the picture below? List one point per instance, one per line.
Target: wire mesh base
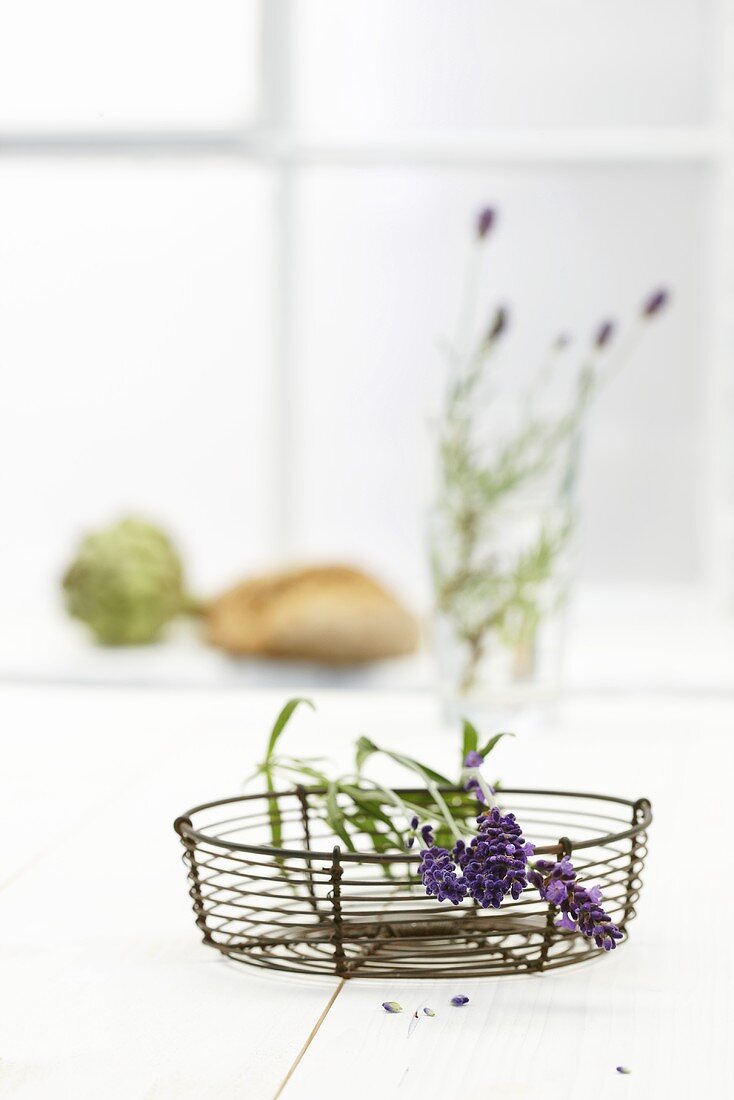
(308, 907)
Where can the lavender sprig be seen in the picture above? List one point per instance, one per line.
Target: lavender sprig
(581, 909)
(604, 334)
(495, 861)
(440, 877)
(473, 761)
(485, 220)
(656, 302)
(493, 865)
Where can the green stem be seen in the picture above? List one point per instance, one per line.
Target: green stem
(192, 605)
(476, 652)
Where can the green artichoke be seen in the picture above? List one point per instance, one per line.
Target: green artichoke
(126, 583)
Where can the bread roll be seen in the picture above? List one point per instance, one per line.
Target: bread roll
(330, 613)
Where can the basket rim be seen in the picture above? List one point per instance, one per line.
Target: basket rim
(184, 826)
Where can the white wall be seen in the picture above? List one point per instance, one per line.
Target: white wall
(388, 65)
(135, 318)
(114, 67)
(138, 312)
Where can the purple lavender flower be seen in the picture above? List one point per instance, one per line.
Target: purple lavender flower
(440, 877)
(459, 1000)
(473, 784)
(392, 1006)
(485, 221)
(495, 862)
(498, 326)
(581, 909)
(427, 834)
(655, 303)
(592, 920)
(553, 880)
(410, 841)
(475, 759)
(604, 334)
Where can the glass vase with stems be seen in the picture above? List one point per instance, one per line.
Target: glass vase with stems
(505, 509)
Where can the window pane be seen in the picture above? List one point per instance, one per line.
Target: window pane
(135, 322)
(143, 63)
(382, 260)
(472, 64)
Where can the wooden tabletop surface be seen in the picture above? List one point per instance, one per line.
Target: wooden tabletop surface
(106, 990)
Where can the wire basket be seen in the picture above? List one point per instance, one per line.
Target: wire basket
(310, 907)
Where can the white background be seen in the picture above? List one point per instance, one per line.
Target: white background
(229, 240)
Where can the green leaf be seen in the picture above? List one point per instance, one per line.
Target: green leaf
(469, 741)
(276, 823)
(335, 817)
(486, 749)
(364, 749)
(431, 778)
(299, 770)
(369, 802)
(380, 842)
(282, 721)
(444, 837)
(416, 766)
(384, 795)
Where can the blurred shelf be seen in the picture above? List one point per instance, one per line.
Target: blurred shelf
(523, 146)
(620, 641)
(512, 146)
(55, 650)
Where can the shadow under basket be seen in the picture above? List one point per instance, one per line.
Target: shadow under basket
(309, 907)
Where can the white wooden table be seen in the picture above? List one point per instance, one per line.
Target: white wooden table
(106, 991)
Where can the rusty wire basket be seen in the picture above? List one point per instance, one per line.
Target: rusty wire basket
(310, 907)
